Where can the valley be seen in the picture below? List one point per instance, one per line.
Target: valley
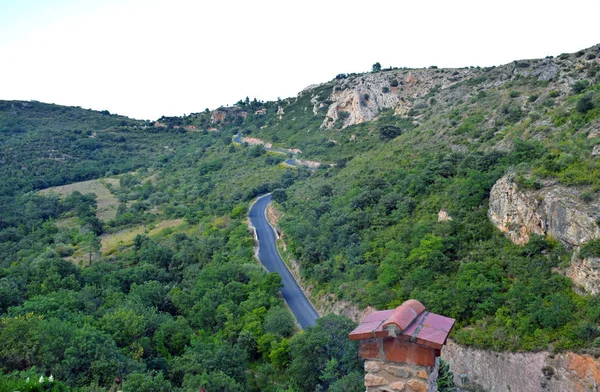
(125, 249)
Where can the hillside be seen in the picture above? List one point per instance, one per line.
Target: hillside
(473, 190)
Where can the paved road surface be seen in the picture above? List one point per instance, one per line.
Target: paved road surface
(269, 257)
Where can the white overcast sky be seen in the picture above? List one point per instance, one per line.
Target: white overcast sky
(145, 58)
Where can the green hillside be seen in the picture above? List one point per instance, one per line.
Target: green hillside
(165, 292)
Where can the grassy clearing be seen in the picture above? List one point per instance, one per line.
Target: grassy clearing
(113, 242)
(107, 202)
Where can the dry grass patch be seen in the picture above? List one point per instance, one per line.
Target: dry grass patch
(113, 242)
(107, 203)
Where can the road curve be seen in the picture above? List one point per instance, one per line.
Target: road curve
(269, 257)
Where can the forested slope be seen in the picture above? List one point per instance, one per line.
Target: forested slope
(398, 209)
(171, 309)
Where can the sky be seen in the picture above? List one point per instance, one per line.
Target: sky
(146, 58)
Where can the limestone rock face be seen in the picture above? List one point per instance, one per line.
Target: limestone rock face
(476, 369)
(585, 273)
(225, 114)
(359, 99)
(553, 210)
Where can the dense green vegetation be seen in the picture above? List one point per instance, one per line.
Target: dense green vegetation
(367, 228)
(188, 305)
(177, 310)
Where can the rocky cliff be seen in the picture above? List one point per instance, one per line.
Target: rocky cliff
(553, 210)
(227, 114)
(358, 99)
(585, 273)
(477, 370)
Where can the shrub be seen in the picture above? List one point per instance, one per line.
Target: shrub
(532, 98)
(389, 132)
(585, 104)
(579, 86)
(554, 93)
(514, 94)
(385, 90)
(342, 114)
(591, 249)
(394, 83)
(586, 196)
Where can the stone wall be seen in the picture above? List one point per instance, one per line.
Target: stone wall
(382, 376)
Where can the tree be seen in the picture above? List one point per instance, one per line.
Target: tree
(388, 132)
(376, 67)
(279, 195)
(322, 351)
(280, 322)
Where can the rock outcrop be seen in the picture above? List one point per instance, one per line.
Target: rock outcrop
(358, 99)
(553, 210)
(443, 216)
(585, 272)
(476, 369)
(227, 114)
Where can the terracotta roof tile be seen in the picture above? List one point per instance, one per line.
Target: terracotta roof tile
(414, 323)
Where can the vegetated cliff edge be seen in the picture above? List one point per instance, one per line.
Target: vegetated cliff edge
(555, 211)
(476, 369)
(355, 99)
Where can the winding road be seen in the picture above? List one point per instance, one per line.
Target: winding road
(269, 257)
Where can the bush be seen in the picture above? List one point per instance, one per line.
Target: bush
(385, 90)
(554, 93)
(591, 249)
(579, 86)
(343, 115)
(388, 132)
(585, 103)
(394, 83)
(586, 196)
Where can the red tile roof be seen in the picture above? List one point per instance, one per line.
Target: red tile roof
(409, 321)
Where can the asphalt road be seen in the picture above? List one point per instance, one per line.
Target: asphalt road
(269, 257)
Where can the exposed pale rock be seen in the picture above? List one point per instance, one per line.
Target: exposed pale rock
(596, 150)
(585, 273)
(531, 372)
(397, 386)
(227, 113)
(363, 97)
(443, 216)
(553, 210)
